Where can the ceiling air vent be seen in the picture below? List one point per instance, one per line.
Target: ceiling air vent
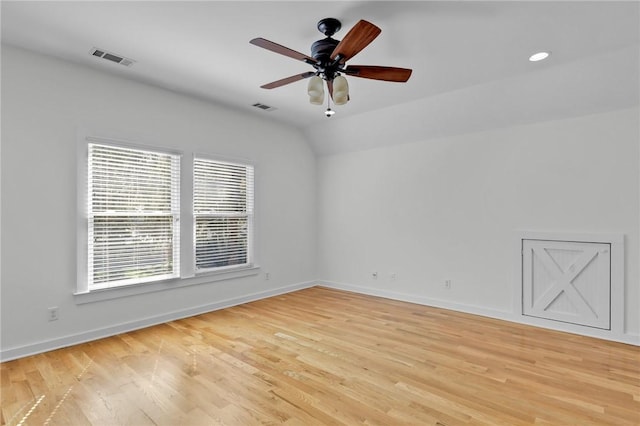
(118, 59)
(264, 107)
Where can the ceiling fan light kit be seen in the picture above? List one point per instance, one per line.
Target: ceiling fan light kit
(340, 90)
(329, 57)
(316, 90)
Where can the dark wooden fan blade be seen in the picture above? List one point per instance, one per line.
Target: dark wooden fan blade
(277, 48)
(399, 75)
(356, 39)
(288, 80)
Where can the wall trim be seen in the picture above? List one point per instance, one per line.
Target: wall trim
(628, 338)
(100, 333)
(170, 284)
(87, 336)
(420, 300)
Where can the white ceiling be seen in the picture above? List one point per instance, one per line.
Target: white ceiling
(469, 59)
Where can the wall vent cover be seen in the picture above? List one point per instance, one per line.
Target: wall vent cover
(264, 107)
(118, 59)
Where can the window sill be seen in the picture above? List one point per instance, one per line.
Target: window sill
(136, 289)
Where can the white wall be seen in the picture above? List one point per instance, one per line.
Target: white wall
(44, 102)
(548, 91)
(446, 209)
(428, 211)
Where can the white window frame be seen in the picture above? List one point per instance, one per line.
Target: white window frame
(175, 214)
(250, 191)
(187, 277)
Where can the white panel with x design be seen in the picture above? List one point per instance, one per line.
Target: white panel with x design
(567, 281)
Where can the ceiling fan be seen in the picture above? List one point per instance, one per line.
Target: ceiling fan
(329, 57)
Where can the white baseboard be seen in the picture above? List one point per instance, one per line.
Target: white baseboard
(86, 336)
(628, 338)
(420, 300)
(61, 342)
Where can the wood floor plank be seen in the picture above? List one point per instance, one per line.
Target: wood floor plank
(326, 357)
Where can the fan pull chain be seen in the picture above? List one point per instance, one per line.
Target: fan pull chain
(329, 112)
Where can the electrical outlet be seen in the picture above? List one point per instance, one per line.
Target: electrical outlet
(267, 276)
(393, 276)
(374, 275)
(447, 284)
(53, 313)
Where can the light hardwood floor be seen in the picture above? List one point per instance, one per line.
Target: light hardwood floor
(321, 356)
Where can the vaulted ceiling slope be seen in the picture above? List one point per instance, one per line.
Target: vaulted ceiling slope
(469, 59)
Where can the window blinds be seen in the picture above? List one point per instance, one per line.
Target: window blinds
(223, 213)
(133, 207)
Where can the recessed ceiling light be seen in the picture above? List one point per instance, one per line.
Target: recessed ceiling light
(539, 56)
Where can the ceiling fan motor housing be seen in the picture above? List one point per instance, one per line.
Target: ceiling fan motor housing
(321, 50)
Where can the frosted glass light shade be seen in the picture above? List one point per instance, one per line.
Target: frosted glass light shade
(316, 90)
(317, 100)
(340, 90)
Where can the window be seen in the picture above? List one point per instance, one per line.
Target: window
(133, 216)
(159, 217)
(223, 214)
